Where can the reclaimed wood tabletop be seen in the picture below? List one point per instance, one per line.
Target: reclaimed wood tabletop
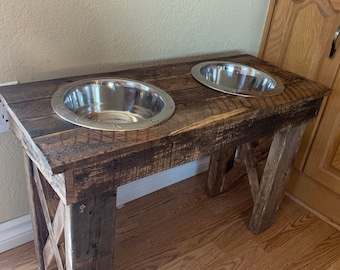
(84, 167)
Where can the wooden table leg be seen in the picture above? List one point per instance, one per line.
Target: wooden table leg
(39, 228)
(226, 166)
(89, 233)
(269, 191)
(88, 227)
(47, 211)
(220, 164)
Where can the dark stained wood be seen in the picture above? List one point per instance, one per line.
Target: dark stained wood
(47, 212)
(57, 181)
(39, 227)
(135, 161)
(188, 112)
(220, 164)
(90, 227)
(48, 221)
(259, 151)
(270, 191)
(268, 188)
(252, 169)
(84, 167)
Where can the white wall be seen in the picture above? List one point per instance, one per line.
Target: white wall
(43, 39)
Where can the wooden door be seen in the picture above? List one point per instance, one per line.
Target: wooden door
(323, 162)
(299, 39)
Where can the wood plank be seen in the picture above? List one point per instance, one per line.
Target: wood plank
(89, 233)
(275, 177)
(252, 171)
(38, 127)
(151, 70)
(32, 91)
(136, 163)
(58, 228)
(266, 29)
(335, 4)
(47, 217)
(57, 181)
(220, 164)
(260, 151)
(52, 143)
(336, 159)
(308, 257)
(49, 122)
(208, 253)
(39, 227)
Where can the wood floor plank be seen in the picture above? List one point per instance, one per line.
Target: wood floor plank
(335, 266)
(207, 255)
(22, 257)
(321, 256)
(240, 261)
(180, 227)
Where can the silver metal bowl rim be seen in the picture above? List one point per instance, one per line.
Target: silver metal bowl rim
(57, 103)
(196, 73)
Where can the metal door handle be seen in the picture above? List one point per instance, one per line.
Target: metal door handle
(333, 49)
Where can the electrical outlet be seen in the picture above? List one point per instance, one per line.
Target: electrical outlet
(4, 125)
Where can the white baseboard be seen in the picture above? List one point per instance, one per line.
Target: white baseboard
(147, 185)
(15, 232)
(19, 231)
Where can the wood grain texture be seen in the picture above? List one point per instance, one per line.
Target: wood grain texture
(89, 233)
(315, 24)
(335, 4)
(299, 40)
(48, 221)
(316, 195)
(56, 181)
(300, 35)
(40, 231)
(336, 159)
(220, 164)
(58, 230)
(252, 169)
(322, 160)
(305, 48)
(64, 151)
(179, 226)
(272, 4)
(270, 191)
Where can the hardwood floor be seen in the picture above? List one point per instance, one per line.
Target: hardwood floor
(180, 227)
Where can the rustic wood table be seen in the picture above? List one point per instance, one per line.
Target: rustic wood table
(73, 172)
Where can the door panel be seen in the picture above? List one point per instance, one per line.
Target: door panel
(299, 40)
(299, 36)
(335, 4)
(336, 159)
(323, 163)
(306, 38)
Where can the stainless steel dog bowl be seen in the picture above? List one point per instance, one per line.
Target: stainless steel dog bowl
(113, 104)
(236, 79)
